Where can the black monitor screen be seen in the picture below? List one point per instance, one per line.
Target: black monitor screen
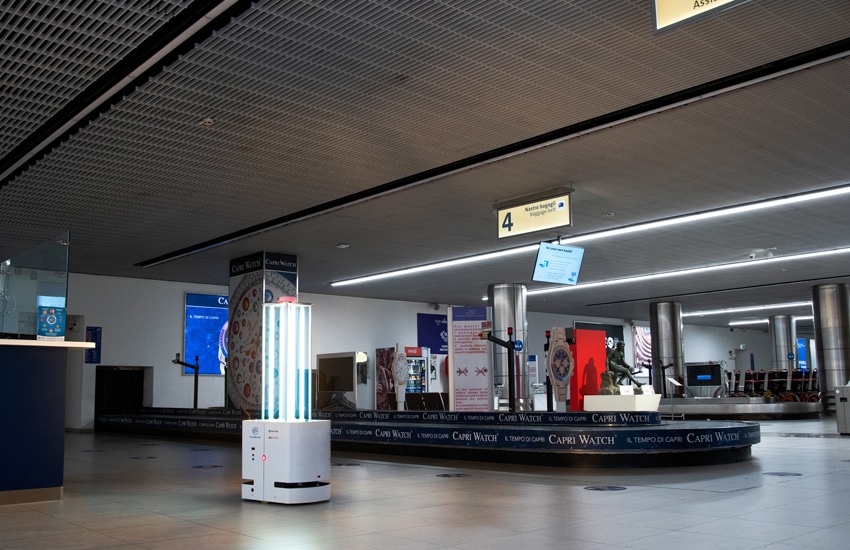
(707, 374)
(335, 373)
(557, 263)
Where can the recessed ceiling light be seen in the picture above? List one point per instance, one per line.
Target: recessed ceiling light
(608, 214)
(342, 245)
(207, 122)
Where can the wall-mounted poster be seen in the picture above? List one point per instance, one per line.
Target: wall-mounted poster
(384, 378)
(642, 340)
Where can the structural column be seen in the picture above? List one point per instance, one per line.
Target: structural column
(665, 325)
(509, 310)
(832, 339)
(783, 343)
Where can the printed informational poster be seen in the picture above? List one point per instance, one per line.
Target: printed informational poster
(51, 318)
(94, 334)
(470, 361)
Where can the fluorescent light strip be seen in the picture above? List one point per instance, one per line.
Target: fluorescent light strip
(750, 322)
(765, 321)
(440, 265)
(745, 309)
(693, 271)
(710, 215)
(828, 193)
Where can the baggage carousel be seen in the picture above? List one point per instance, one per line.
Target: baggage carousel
(737, 408)
(578, 439)
(575, 439)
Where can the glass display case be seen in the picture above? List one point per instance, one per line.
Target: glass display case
(33, 291)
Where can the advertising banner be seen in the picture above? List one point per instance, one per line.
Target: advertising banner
(384, 378)
(257, 279)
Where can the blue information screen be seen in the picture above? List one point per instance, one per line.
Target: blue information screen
(205, 333)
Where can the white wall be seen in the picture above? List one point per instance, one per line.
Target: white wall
(142, 323)
(715, 344)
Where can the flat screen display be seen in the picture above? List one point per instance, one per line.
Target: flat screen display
(205, 333)
(557, 263)
(335, 374)
(707, 374)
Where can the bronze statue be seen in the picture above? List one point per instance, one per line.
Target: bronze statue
(616, 363)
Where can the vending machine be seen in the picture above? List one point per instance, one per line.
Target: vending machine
(418, 369)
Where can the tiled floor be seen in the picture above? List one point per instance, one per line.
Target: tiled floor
(143, 492)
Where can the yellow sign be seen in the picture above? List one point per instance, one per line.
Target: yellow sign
(670, 12)
(534, 216)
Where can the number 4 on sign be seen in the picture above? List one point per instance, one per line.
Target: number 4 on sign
(507, 223)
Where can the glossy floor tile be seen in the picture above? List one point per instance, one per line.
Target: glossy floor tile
(155, 493)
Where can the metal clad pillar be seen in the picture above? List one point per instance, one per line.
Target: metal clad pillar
(783, 343)
(832, 339)
(509, 310)
(665, 326)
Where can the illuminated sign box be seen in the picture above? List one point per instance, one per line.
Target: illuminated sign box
(534, 216)
(673, 12)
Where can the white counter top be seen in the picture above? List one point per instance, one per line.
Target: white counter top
(45, 343)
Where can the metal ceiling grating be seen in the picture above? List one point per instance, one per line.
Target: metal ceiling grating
(312, 101)
(51, 51)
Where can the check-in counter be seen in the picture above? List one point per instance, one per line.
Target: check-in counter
(32, 408)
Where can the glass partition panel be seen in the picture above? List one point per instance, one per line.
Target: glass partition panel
(33, 291)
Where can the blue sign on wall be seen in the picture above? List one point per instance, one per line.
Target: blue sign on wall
(802, 356)
(94, 334)
(432, 332)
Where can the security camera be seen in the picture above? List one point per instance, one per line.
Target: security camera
(751, 255)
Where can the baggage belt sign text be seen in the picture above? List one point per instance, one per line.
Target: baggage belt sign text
(534, 216)
(672, 12)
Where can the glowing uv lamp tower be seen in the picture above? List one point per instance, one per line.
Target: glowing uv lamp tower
(286, 456)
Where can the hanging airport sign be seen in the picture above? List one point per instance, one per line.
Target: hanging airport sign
(674, 12)
(533, 216)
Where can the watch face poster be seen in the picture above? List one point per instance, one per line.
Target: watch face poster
(469, 360)
(560, 362)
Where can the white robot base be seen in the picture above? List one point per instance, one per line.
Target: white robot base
(286, 462)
